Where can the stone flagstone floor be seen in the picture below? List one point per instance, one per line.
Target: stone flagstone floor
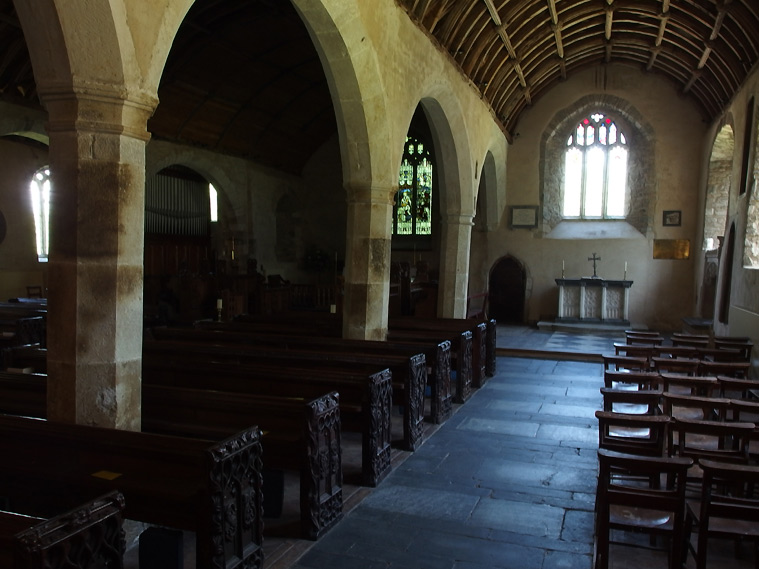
(507, 483)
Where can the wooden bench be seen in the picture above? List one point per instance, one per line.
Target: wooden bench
(210, 487)
(409, 373)
(365, 396)
(483, 339)
(298, 434)
(24, 357)
(77, 539)
(23, 394)
(461, 355)
(331, 325)
(301, 435)
(437, 354)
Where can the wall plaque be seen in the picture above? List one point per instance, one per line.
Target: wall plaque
(671, 249)
(523, 216)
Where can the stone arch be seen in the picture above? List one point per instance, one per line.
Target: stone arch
(751, 245)
(453, 153)
(718, 185)
(128, 52)
(210, 170)
(30, 126)
(641, 162)
(355, 84)
(486, 207)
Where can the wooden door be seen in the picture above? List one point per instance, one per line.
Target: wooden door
(507, 291)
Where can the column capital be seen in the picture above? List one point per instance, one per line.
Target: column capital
(97, 107)
(458, 219)
(367, 193)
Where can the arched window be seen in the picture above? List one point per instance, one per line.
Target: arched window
(595, 170)
(412, 213)
(40, 191)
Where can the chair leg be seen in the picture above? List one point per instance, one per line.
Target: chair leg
(687, 533)
(703, 540)
(602, 539)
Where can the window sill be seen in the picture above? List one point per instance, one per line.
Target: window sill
(610, 229)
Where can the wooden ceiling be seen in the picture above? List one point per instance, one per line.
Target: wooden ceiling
(244, 78)
(514, 51)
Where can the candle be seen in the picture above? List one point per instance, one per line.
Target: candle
(625, 270)
(218, 304)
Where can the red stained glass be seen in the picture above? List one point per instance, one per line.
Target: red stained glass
(586, 121)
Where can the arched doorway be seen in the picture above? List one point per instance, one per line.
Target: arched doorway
(507, 290)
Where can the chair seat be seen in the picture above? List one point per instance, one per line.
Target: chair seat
(724, 527)
(630, 432)
(639, 517)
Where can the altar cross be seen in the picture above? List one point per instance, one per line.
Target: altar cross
(594, 259)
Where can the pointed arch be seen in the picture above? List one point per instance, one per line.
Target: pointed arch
(718, 184)
(355, 86)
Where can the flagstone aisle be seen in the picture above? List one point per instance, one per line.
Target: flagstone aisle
(507, 482)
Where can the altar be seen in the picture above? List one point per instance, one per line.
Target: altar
(594, 299)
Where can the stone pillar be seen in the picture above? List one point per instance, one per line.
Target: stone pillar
(454, 270)
(367, 267)
(97, 163)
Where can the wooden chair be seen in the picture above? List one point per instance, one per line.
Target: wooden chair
(638, 402)
(709, 440)
(695, 407)
(644, 435)
(630, 504)
(685, 384)
(635, 363)
(643, 337)
(728, 508)
(676, 352)
(635, 350)
(741, 343)
(738, 388)
(730, 369)
(721, 354)
(690, 342)
(675, 365)
(631, 380)
(705, 338)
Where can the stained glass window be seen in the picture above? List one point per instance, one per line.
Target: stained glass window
(595, 170)
(40, 192)
(413, 203)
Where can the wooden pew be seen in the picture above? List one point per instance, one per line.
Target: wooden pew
(210, 487)
(298, 434)
(25, 356)
(301, 435)
(87, 536)
(483, 339)
(409, 372)
(331, 325)
(437, 354)
(23, 394)
(461, 355)
(365, 396)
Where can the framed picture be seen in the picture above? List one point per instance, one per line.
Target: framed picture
(523, 216)
(671, 217)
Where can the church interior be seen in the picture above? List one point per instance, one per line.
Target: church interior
(384, 171)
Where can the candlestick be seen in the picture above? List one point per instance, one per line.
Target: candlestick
(562, 268)
(625, 277)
